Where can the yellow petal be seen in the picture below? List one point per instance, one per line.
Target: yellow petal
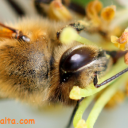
(59, 12)
(114, 39)
(92, 10)
(108, 13)
(93, 7)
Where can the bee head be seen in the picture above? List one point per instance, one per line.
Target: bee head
(75, 65)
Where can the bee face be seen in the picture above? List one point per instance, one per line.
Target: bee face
(75, 65)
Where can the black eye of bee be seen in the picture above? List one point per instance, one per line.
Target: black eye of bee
(73, 61)
(77, 59)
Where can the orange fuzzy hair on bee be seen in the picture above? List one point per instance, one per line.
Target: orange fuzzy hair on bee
(24, 67)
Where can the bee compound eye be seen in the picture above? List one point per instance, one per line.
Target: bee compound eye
(76, 59)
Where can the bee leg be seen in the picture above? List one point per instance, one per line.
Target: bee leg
(13, 33)
(115, 56)
(109, 79)
(73, 113)
(77, 26)
(95, 80)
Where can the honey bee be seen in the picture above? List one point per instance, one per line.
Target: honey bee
(37, 68)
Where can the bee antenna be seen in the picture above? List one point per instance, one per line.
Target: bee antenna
(95, 81)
